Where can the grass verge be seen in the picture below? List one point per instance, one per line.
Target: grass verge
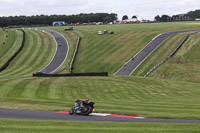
(35, 126)
(184, 65)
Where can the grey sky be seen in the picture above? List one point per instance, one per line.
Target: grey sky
(146, 9)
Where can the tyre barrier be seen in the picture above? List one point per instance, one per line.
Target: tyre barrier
(68, 75)
(171, 55)
(74, 56)
(18, 51)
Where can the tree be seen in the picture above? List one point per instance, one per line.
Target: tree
(124, 17)
(108, 19)
(193, 14)
(158, 18)
(134, 17)
(164, 18)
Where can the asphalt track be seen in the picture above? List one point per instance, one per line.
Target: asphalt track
(129, 67)
(39, 115)
(60, 55)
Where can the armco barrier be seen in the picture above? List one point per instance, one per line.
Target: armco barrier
(75, 53)
(172, 54)
(18, 51)
(70, 74)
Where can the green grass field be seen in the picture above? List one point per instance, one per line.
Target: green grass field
(160, 54)
(10, 46)
(184, 65)
(37, 53)
(174, 97)
(152, 98)
(24, 126)
(109, 52)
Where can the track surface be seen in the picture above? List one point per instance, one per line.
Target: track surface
(60, 54)
(135, 62)
(39, 115)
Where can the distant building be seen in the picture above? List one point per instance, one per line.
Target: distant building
(127, 21)
(99, 23)
(59, 23)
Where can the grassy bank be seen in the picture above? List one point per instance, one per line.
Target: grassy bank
(147, 97)
(109, 52)
(161, 53)
(8, 44)
(184, 65)
(174, 97)
(37, 53)
(34, 126)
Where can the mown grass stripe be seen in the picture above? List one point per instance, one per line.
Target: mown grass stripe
(15, 39)
(8, 88)
(18, 89)
(31, 88)
(48, 49)
(29, 59)
(36, 56)
(22, 57)
(55, 91)
(44, 55)
(42, 91)
(14, 49)
(24, 126)
(9, 41)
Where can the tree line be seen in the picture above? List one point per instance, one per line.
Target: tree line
(48, 19)
(190, 16)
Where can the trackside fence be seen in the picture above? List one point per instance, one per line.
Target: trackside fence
(70, 74)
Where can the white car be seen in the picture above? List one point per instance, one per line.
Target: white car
(100, 33)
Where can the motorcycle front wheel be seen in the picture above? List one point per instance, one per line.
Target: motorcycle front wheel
(71, 111)
(89, 110)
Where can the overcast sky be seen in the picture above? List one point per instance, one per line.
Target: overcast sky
(146, 9)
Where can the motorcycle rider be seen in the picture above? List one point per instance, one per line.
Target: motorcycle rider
(79, 103)
(82, 107)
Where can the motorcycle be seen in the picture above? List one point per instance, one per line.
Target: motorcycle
(85, 108)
